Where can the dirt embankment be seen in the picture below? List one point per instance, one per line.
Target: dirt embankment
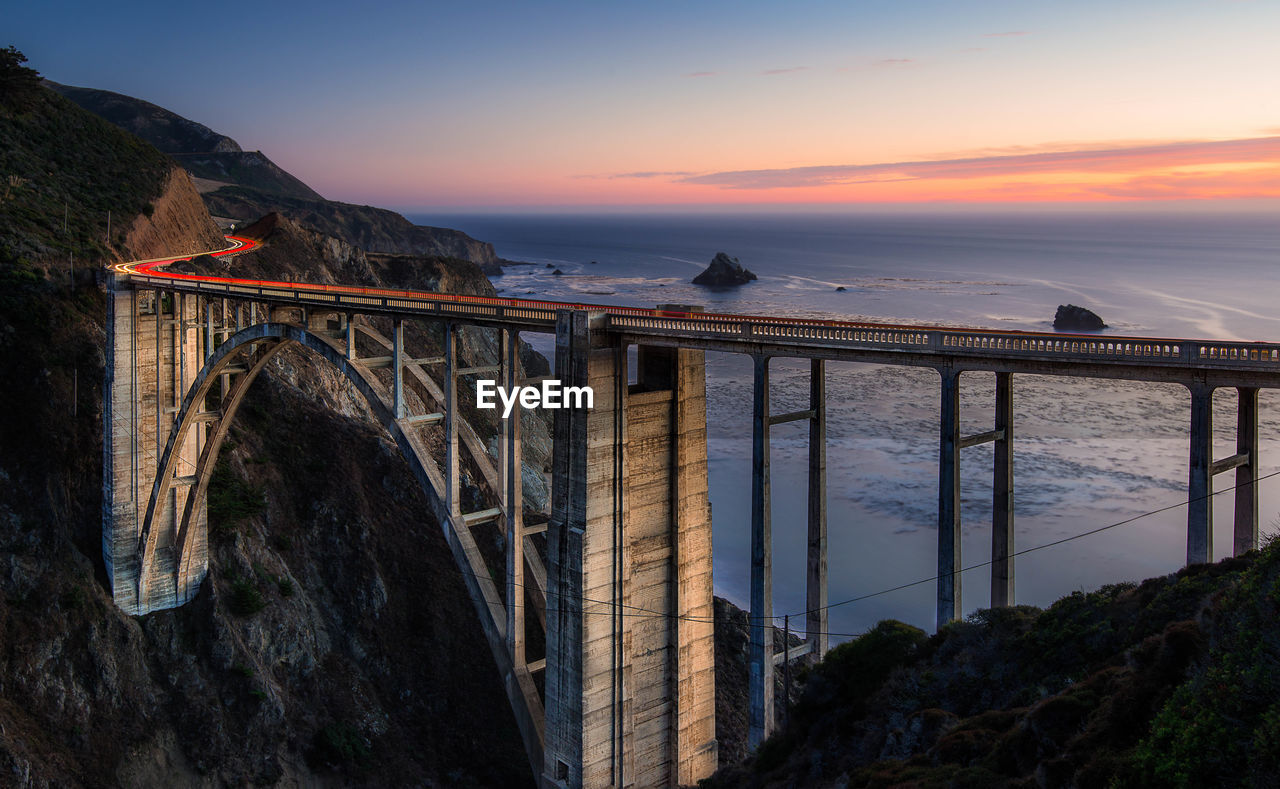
(177, 223)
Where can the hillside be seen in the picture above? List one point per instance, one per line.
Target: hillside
(248, 169)
(1171, 682)
(246, 185)
(167, 131)
(49, 210)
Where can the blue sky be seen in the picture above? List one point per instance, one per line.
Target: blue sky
(489, 104)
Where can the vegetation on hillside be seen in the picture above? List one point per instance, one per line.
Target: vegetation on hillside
(62, 170)
(1172, 682)
(167, 131)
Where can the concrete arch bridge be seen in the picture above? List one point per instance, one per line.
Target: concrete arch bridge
(621, 581)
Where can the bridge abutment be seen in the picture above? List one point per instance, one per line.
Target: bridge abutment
(154, 351)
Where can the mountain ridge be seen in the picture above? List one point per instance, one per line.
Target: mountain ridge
(244, 185)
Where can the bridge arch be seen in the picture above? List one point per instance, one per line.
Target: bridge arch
(245, 354)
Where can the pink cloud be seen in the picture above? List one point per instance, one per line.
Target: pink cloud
(1109, 160)
(791, 70)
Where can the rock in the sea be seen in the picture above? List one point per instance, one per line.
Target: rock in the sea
(841, 289)
(557, 273)
(1069, 317)
(724, 270)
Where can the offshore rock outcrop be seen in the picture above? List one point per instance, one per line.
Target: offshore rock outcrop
(1069, 317)
(724, 271)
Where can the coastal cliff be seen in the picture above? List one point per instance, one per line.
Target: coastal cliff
(371, 229)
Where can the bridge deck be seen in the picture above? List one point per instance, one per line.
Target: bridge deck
(1135, 358)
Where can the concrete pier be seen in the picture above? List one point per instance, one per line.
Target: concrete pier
(816, 619)
(949, 602)
(760, 648)
(1246, 520)
(1200, 477)
(1002, 496)
(630, 685)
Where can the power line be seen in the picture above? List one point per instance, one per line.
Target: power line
(641, 612)
(1024, 551)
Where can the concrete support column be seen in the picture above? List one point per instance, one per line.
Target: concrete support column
(397, 368)
(760, 655)
(1246, 520)
(224, 380)
(566, 570)
(209, 342)
(510, 470)
(351, 336)
(159, 343)
(123, 460)
(180, 349)
(1002, 586)
(949, 597)
(816, 580)
(450, 386)
(1200, 477)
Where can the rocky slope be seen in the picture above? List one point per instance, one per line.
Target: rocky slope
(371, 229)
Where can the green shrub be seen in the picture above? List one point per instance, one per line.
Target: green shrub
(340, 744)
(245, 599)
(231, 499)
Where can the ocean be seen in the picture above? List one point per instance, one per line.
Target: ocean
(1088, 453)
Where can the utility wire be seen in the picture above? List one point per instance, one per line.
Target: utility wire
(638, 611)
(1024, 551)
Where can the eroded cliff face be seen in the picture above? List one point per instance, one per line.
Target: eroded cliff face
(177, 225)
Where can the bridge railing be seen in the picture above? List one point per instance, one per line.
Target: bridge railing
(957, 342)
(358, 299)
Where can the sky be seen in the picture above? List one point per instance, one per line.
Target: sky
(566, 105)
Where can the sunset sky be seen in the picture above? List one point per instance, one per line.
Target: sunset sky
(484, 105)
